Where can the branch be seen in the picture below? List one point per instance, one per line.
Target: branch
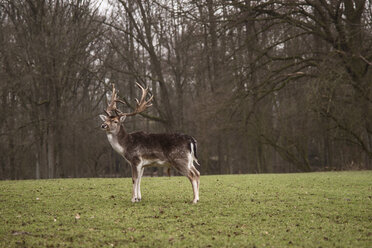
(150, 117)
(351, 132)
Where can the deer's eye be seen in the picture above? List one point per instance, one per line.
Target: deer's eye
(115, 121)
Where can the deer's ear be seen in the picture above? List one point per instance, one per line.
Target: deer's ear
(103, 117)
(122, 118)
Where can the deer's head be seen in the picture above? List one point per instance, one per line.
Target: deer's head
(111, 124)
(114, 117)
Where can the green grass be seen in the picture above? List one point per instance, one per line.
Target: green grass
(275, 210)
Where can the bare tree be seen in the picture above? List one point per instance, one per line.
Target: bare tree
(265, 86)
(49, 55)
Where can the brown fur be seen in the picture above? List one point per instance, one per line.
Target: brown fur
(167, 149)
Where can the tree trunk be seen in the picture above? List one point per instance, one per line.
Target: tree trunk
(51, 153)
(37, 166)
(43, 156)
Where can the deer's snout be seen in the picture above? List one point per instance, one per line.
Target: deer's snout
(104, 126)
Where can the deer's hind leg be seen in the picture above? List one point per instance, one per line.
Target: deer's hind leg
(186, 168)
(140, 170)
(194, 177)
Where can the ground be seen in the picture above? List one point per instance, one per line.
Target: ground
(332, 209)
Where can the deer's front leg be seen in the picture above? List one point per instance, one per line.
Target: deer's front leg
(135, 183)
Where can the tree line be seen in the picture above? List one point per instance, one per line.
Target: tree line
(264, 86)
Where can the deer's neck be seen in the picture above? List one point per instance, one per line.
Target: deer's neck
(116, 140)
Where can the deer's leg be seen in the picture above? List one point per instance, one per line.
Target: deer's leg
(198, 180)
(185, 167)
(140, 170)
(135, 182)
(194, 177)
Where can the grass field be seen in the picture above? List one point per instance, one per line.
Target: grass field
(276, 210)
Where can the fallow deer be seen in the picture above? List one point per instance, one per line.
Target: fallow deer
(143, 150)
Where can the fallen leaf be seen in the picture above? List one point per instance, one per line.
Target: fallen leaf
(15, 233)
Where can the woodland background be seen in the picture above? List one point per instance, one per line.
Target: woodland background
(264, 86)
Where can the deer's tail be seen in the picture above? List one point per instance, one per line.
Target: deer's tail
(193, 148)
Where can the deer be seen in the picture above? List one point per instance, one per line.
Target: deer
(142, 150)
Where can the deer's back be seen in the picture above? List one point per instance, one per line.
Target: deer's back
(161, 146)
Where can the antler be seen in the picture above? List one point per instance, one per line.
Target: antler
(141, 105)
(112, 105)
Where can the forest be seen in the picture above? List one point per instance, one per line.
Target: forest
(265, 86)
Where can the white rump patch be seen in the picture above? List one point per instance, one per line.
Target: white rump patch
(189, 160)
(192, 153)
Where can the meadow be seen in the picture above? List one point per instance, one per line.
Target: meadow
(330, 209)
